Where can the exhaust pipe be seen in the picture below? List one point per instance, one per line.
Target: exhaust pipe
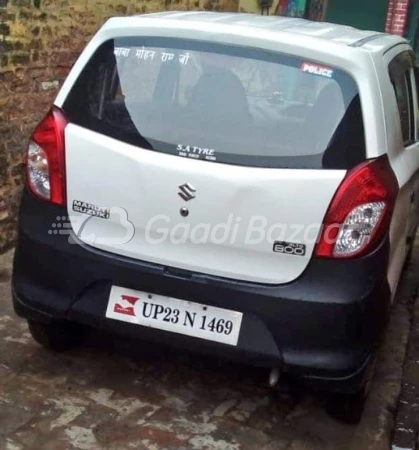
(274, 377)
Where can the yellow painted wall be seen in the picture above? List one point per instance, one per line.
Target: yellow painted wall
(252, 6)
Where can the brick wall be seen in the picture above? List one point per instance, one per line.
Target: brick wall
(39, 41)
(397, 16)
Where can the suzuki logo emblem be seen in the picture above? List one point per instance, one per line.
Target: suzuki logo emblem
(186, 192)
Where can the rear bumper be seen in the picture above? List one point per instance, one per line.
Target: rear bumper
(323, 327)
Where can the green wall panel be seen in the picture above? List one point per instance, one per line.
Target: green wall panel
(413, 26)
(364, 14)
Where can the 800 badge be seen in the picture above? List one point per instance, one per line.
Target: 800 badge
(289, 248)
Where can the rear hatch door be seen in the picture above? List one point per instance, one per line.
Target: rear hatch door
(207, 158)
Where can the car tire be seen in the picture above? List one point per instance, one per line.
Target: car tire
(348, 408)
(59, 335)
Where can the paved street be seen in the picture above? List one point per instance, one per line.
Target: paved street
(114, 394)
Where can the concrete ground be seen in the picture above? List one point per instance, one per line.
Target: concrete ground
(114, 394)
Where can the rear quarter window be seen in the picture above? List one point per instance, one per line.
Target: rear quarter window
(221, 104)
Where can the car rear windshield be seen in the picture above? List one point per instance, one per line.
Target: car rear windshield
(220, 103)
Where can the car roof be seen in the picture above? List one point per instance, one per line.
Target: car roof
(338, 34)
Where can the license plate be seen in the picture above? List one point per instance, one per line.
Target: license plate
(175, 315)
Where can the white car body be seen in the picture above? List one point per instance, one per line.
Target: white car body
(242, 185)
(100, 169)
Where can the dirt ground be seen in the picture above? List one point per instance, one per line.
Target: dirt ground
(119, 394)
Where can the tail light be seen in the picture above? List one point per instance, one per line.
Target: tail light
(45, 162)
(360, 212)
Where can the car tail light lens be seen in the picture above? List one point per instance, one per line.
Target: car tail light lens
(45, 162)
(360, 212)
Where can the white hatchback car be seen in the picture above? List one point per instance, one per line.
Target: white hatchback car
(231, 183)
